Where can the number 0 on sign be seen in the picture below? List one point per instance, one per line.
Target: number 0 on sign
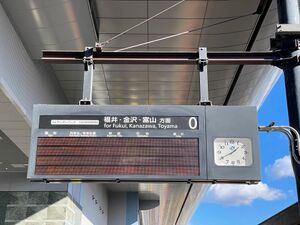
(193, 123)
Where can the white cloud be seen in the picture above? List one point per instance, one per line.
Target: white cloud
(241, 194)
(282, 167)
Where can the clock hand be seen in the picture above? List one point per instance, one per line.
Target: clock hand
(231, 152)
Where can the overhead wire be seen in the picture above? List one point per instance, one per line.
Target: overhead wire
(141, 23)
(183, 33)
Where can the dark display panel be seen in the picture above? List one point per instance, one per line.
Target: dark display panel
(117, 156)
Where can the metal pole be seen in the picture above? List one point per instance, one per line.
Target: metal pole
(288, 13)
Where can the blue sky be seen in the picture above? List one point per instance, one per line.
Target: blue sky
(250, 205)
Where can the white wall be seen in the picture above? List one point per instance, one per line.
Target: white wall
(24, 82)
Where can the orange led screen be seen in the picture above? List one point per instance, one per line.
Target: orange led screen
(117, 156)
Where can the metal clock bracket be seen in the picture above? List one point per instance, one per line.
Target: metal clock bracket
(291, 133)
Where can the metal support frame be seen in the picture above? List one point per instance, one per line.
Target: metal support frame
(88, 77)
(276, 58)
(203, 78)
(176, 58)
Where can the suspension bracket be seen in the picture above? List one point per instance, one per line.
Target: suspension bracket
(89, 67)
(203, 77)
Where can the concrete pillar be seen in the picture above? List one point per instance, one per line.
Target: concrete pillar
(91, 199)
(123, 208)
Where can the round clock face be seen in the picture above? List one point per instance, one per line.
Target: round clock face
(233, 152)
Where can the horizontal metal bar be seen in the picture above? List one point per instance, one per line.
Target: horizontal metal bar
(218, 58)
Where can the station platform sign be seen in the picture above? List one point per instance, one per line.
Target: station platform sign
(144, 144)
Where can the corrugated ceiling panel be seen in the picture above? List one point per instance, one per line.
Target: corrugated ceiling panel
(117, 16)
(256, 81)
(51, 24)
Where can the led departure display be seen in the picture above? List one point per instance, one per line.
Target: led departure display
(117, 156)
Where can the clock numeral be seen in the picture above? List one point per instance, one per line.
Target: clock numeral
(231, 141)
(243, 146)
(232, 162)
(222, 146)
(238, 162)
(219, 152)
(245, 152)
(244, 158)
(227, 161)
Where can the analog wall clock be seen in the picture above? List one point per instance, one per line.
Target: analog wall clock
(233, 151)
